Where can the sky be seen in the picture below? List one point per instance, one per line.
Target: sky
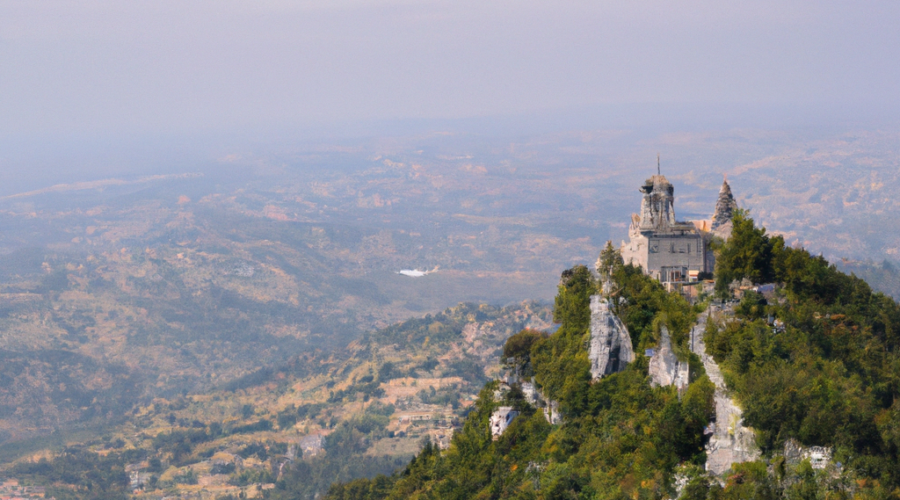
(168, 68)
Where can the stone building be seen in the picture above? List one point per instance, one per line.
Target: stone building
(667, 249)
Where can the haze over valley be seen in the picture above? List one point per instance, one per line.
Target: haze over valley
(184, 282)
(272, 250)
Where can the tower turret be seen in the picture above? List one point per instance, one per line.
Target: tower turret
(658, 204)
(725, 206)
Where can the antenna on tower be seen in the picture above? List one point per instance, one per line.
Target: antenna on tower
(657, 164)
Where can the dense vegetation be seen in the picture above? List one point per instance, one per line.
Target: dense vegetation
(829, 375)
(86, 474)
(344, 458)
(814, 360)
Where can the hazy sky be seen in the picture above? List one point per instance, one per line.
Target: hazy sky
(98, 67)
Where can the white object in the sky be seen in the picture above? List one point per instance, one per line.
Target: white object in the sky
(415, 273)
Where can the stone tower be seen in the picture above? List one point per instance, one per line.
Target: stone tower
(668, 250)
(724, 206)
(658, 204)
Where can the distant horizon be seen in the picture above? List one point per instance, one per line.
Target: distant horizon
(36, 162)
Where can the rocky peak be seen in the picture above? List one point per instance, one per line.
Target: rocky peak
(725, 206)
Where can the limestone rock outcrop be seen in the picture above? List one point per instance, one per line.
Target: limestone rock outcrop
(819, 456)
(552, 414)
(501, 419)
(531, 392)
(664, 367)
(610, 349)
(730, 441)
(535, 397)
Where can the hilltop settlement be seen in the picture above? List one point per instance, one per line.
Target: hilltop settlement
(667, 249)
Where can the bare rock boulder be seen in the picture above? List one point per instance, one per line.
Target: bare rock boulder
(610, 349)
(664, 367)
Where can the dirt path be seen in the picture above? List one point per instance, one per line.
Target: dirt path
(730, 442)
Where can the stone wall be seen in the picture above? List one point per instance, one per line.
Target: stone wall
(686, 251)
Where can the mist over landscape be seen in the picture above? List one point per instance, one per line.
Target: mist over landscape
(205, 210)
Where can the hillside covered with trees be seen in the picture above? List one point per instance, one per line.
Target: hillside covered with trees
(826, 374)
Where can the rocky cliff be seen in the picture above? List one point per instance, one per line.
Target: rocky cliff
(610, 348)
(664, 368)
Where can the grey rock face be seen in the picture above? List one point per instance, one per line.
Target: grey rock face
(551, 413)
(819, 456)
(610, 348)
(664, 368)
(730, 441)
(530, 392)
(501, 419)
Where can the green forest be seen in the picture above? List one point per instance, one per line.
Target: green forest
(827, 375)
